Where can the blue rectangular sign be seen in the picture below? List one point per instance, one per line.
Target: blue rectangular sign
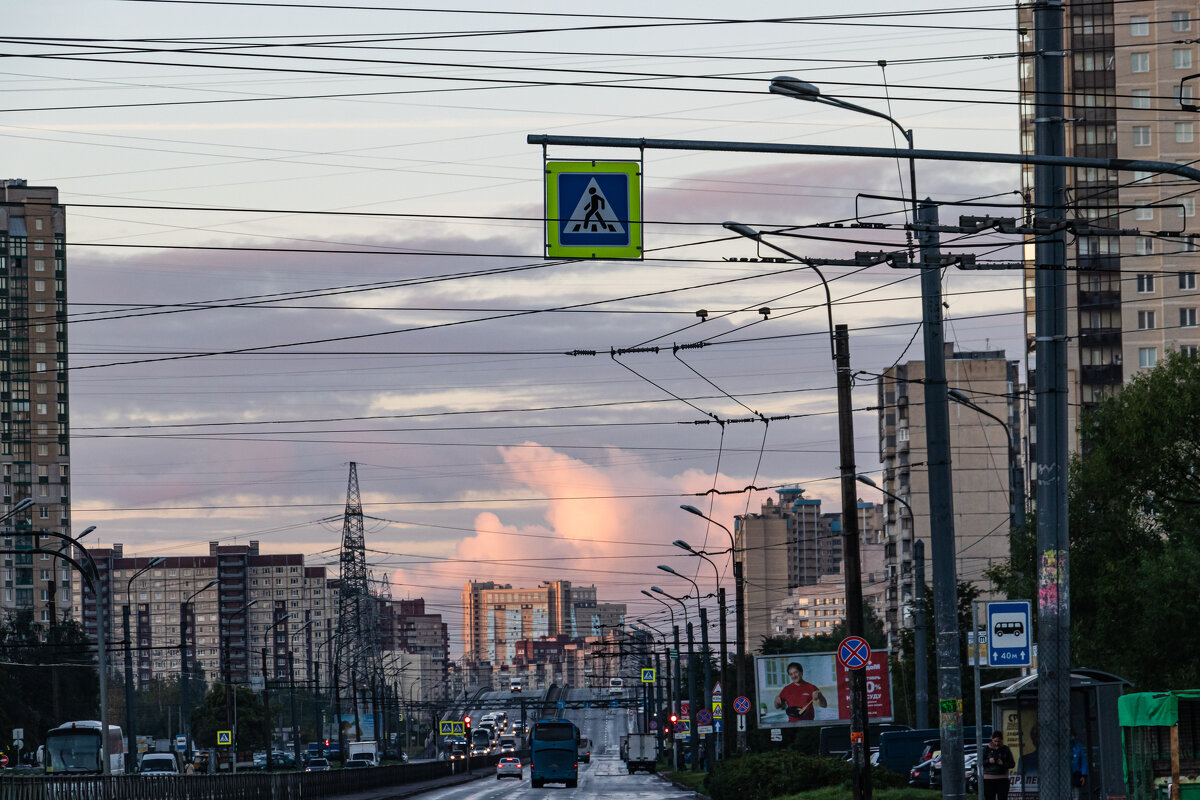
(1010, 640)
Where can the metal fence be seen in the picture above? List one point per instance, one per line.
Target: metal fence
(243, 786)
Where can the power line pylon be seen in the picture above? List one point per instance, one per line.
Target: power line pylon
(358, 637)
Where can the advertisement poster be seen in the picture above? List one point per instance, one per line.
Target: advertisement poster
(879, 689)
(801, 689)
(1020, 730)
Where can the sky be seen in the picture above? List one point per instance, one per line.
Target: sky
(302, 235)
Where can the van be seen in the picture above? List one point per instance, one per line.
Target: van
(159, 764)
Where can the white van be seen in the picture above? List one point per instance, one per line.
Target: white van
(158, 764)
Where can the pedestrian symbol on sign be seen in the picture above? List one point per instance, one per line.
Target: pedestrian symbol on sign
(224, 738)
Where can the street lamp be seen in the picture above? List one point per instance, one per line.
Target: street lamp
(852, 566)
(920, 679)
(130, 737)
(267, 684)
(800, 90)
(185, 711)
(1016, 477)
(230, 690)
(292, 681)
(693, 691)
(739, 602)
(681, 544)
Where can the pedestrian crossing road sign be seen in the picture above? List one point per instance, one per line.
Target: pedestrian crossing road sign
(594, 209)
(452, 727)
(224, 738)
(648, 675)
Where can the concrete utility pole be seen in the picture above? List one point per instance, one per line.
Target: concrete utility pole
(1050, 312)
(941, 510)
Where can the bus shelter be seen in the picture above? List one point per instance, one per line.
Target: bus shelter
(1161, 733)
(1093, 723)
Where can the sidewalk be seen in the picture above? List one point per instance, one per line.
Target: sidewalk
(417, 787)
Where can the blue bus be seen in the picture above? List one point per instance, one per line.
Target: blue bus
(553, 753)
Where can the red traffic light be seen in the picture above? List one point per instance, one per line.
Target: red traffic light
(327, 743)
(674, 718)
(467, 722)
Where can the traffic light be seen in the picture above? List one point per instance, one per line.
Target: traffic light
(327, 743)
(674, 719)
(467, 723)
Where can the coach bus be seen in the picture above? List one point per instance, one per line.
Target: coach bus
(74, 747)
(554, 753)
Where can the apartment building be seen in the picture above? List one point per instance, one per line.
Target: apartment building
(496, 617)
(1133, 297)
(34, 406)
(787, 547)
(979, 454)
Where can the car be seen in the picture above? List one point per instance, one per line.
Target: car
(918, 776)
(508, 768)
(159, 764)
(318, 765)
(358, 763)
(507, 747)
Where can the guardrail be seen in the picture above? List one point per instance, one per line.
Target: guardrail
(243, 786)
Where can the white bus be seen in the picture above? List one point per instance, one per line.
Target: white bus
(616, 685)
(74, 747)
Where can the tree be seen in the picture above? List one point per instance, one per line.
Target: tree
(1135, 529)
(209, 717)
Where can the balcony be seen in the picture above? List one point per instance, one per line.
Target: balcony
(1094, 301)
(1105, 374)
(1099, 337)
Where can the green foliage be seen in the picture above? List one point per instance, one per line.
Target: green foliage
(826, 642)
(760, 776)
(48, 675)
(1135, 529)
(210, 717)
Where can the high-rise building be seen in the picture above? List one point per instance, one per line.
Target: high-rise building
(979, 454)
(34, 443)
(496, 617)
(1131, 298)
(405, 627)
(787, 546)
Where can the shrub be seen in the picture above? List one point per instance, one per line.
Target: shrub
(761, 776)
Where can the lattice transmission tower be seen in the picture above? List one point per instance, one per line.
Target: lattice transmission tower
(358, 635)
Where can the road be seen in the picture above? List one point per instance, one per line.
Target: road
(604, 777)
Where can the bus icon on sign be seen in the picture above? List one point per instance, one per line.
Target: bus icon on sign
(1009, 628)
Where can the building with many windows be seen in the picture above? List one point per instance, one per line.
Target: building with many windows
(34, 409)
(496, 617)
(1132, 293)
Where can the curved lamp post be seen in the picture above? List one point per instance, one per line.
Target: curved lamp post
(267, 684)
(184, 676)
(131, 764)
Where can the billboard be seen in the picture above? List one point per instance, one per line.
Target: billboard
(800, 689)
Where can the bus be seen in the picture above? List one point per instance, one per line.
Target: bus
(553, 753)
(74, 748)
(616, 685)
(481, 741)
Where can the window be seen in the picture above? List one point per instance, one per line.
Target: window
(1182, 59)
(1143, 213)
(1141, 135)
(1180, 21)
(1187, 317)
(1183, 132)
(1143, 246)
(1139, 26)
(1189, 350)
(39, 265)
(1145, 320)
(1181, 94)
(1141, 98)
(1147, 357)
(1187, 281)
(1140, 62)
(1145, 283)
(1187, 206)
(1142, 177)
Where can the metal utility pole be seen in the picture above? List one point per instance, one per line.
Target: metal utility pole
(941, 510)
(1050, 312)
(920, 638)
(357, 632)
(851, 566)
(693, 698)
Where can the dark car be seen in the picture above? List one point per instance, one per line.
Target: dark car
(358, 763)
(918, 776)
(318, 765)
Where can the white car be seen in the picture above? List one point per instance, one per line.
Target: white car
(508, 768)
(159, 764)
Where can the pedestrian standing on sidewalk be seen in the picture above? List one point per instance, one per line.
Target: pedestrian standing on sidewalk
(998, 761)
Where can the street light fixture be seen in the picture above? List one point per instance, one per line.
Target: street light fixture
(680, 543)
(184, 677)
(292, 681)
(267, 684)
(920, 634)
(1016, 476)
(131, 764)
(230, 689)
(739, 594)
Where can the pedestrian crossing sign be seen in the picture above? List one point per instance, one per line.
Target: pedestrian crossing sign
(594, 209)
(648, 674)
(452, 727)
(224, 738)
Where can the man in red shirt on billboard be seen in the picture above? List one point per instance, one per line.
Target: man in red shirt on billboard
(799, 696)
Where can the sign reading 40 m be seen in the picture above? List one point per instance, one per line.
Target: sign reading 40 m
(594, 209)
